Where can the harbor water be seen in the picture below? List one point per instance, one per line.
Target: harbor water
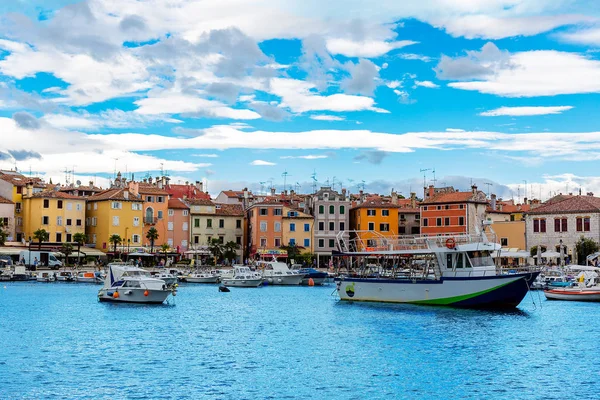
(58, 341)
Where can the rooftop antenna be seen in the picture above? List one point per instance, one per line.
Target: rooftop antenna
(117, 159)
(285, 175)
(162, 171)
(262, 187)
(333, 182)
(525, 188)
(424, 171)
(270, 183)
(518, 193)
(362, 183)
(297, 187)
(434, 180)
(488, 184)
(314, 178)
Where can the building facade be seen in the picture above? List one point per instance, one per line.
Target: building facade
(156, 208)
(265, 236)
(297, 229)
(12, 187)
(7, 216)
(331, 211)
(178, 225)
(372, 219)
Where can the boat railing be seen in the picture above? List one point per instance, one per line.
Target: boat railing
(372, 241)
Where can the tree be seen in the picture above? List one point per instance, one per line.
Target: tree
(80, 239)
(292, 251)
(115, 240)
(3, 234)
(584, 248)
(41, 236)
(165, 249)
(67, 250)
(216, 248)
(533, 251)
(230, 251)
(152, 235)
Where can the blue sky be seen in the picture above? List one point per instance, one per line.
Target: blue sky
(235, 94)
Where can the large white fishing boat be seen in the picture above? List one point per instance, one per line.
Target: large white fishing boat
(278, 273)
(242, 276)
(125, 283)
(453, 270)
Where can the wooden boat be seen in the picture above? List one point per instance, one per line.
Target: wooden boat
(574, 294)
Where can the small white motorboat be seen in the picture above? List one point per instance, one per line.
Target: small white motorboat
(65, 276)
(45, 276)
(88, 277)
(587, 287)
(166, 276)
(129, 284)
(203, 277)
(242, 276)
(278, 273)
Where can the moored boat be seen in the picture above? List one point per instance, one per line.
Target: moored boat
(203, 277)
(45, 276)
(88, 277)
(317, 276)
(166, 276)
(128, 284)
(242, 276)
(586, 287)
(455, 270)
(278, 273)
(65, 276)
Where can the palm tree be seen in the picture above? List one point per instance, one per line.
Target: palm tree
(216, 248)
(41, 236)
(115, 240)
(229, 251)
(3, 235)
(165, 249)
(292, 251)
(152, 235)
(67, 250)
(79, 238)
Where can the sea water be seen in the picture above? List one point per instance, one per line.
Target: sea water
(58, 341)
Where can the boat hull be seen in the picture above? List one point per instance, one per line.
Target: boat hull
(572, 294)
(133, 296)
(290, 280)
(502, 291)
(242, 282)
(212, 279)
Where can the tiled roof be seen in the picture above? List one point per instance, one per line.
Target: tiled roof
(376, 203)
(114, 194)
(235, 210)
(510, 208)
(200, 202)
(572, 204)
(53, 194)
(147, 188)
(177, 204)
(237, 194)
(409, 210)
(20, 180)
(186, 191)
(5, 201)
(454, 197)
(81, 188)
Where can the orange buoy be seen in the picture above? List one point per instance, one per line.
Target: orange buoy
(116, 295)
(146, 293)
(311, 282)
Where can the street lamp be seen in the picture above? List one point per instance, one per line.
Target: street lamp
(561, 251)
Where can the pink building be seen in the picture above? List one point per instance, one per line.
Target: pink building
(178, 226)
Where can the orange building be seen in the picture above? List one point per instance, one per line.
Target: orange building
(155, 208)
(447, 211)
(371, 219)
(178, 225)
(265, 236)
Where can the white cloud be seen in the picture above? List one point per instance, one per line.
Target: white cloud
(419, 57)
(365, 48)
(454, 130)
(525, 111)
(587, 37)
(106, 119)
(327, 118)
(262, 163)
(206, 155)
(306, 157)
(427, 84)
(394, 84)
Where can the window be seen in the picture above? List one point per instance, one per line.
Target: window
(238, 224)
(414, 230)
(95, 206)
(402, 230)
(186, 213)
(402, 217)
(560, 225)
(321, 243)
(447, 207)
(136, 206)
(59, 204)
(292, 242)
(115, 205)
(59, 221)
(292, 227)
(263, 226)
(160, 214)
(278, 211)
(171, 212)
(371, 213)
(196, 239)
(196, 222)
(424, 208)
(115, 221)
(69, 238)
(264, 211)
(78, 206)
(332, 209)
(438, 222)
(170, 242)
(184, 226)
(332, 226)
(221, 223)
(331, 243)
(58, 237)
(504, 242)
(136, 221)
(384, 227)
(461, 221)
(321, 226)
(425, 222)
(135, 238)
(19, 190)
(89, 206)
(385, 213)
(69, 222)
(539, 225)
(321, 209)
(238, 240)
(170, 226)
(69, 206)
(277, 226)
(586, 224)
(306, 242)
(417, 217)
(447, 221)
(160, 199)
(149, 199)
(536, 225)
(306, 227)
(78, 222)
(209, 223)
(18, 207)
(184, 243)
(94, 238)
(461, 206)
(342, 210)
(277, 242)
(46, 203)
(342, 226)
(94, 221)
(371, 226)
(439, 207)
(221, 239)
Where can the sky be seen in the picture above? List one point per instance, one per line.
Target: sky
(503, 94)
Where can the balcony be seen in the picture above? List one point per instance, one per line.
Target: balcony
(149, 220)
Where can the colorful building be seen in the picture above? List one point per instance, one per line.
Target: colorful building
(178, 225)
(297, 229)
(265, 236)
(242, 197)
(156, 207)
(331, 211)
(187, 191)
(12, 187)
(373, 218)
(7, 216)
(60, 214)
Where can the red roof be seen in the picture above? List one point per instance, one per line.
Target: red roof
(148, 188)
(5, 201)
(572, 204)
(230, 210)
(21, 180)
(199, 202)
(237, 194)
(376, 202)
(186, 191)
(455, 197)
(177, 204)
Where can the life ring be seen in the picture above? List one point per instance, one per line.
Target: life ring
(450, 243)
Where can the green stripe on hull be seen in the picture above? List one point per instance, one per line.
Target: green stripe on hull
(451, 300)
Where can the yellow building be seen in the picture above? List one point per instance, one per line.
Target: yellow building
(60, 214)
(373, 219)
(298, 229)
(510, 234)
(12, 187)
(115, 212)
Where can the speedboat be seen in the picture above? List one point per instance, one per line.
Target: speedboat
(128, 284)
(65, 276)
(166, 276)
(242, 276)
(317, 276)
(203, 277)
(89, 277)
(278, 273)
(45, 276)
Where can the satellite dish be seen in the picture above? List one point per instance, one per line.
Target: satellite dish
(78, 182)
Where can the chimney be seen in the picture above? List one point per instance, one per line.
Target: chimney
(91, 184)
(149, 180)
(394, 197)
(361, 197)
(145, 180)
(580, 191)
(163, 181)
(272, 191)
(413, 200)
(430, 192)
(29, 188)
(200, 186)
(474, 189)
(126, 194)
(343, 194)
(493, 202)
(292, 193)
(525, 200)
(591, 194)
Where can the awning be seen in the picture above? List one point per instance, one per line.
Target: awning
(550, 254)
(511, 253)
